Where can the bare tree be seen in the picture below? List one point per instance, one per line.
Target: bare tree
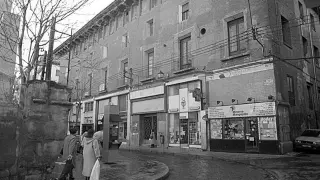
(33, 22)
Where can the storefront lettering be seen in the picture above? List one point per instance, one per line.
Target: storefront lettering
(244, 110)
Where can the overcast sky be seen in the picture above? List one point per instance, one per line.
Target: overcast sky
(82, 16)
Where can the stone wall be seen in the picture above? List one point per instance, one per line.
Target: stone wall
(43, 122)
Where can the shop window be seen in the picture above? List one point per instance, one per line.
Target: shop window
(233, 129)
(216, 129)
(174, 128)
(194, 129)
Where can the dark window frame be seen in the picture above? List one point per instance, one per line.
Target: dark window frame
(310, 95)
(237, 22)
(291, 92)
(185, 11)
(313, 26)
(304, 46)
(151, 27)
(316, 55)
(185, 43)
(150, 65)
(286, 32)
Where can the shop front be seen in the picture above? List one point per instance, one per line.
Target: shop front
(244, 128)
(148, 115)
(184, 109)
(87, 124)
(118, 128)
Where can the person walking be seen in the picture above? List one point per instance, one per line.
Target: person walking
(91, 152)
(69, 154)
(153, 139)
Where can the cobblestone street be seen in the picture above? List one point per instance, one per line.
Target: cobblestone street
(185, 168)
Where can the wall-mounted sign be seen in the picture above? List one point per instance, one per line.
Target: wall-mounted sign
(243, 110)
(147, 92)
(151, 105)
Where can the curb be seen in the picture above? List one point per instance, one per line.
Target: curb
(164, 174)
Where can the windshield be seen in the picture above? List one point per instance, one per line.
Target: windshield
(310, 133)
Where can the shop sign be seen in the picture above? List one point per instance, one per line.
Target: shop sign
(184, 105)
(152, 105)
(147, 92)
(267, 128)
(244, 110)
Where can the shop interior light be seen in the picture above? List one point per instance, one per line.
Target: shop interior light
(218, 102)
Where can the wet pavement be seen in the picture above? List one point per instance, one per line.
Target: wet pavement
(191, 168)
(303, 167)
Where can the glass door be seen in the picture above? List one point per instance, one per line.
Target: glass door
(252, 135)
(184, 132)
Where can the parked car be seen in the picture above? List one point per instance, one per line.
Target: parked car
(309, 140)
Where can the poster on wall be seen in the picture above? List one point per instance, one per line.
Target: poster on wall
(267, 128)
(216, 129)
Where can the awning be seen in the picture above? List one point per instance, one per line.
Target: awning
(312, 3)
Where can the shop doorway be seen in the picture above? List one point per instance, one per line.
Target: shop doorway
(184, 133)
(149, 123)
(251, 135)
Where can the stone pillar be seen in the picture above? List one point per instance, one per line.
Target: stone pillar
(45, 108)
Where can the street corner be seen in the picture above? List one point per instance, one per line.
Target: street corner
(134, 170)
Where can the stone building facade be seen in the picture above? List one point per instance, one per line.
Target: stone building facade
(177, 67)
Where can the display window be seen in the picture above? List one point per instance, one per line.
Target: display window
(185, 131)
(227, 129)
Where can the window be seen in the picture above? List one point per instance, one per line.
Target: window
(125, 18)
(140, 7)
(286, 32)
(105, 52)
(150, 26)
(90, 83)
(100, 33)
(185, 11)
(301, 11)
(111, 28)
(305, 46)
(88, 106)
(134, 11)
(125, 70)
(153, 3)
(291, 90)
(117, 22)
(235, 37)
(312, 22)
(185, 50)
(150, 63)
(310, 94)
(123, 103)
(316, 55)
(105, 30)
(125, 40)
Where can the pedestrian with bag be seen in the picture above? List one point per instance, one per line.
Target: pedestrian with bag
(91, 153)
(68, 154)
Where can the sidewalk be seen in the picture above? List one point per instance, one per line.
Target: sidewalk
(122, 168)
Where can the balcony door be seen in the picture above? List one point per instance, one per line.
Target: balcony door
(185, 53)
